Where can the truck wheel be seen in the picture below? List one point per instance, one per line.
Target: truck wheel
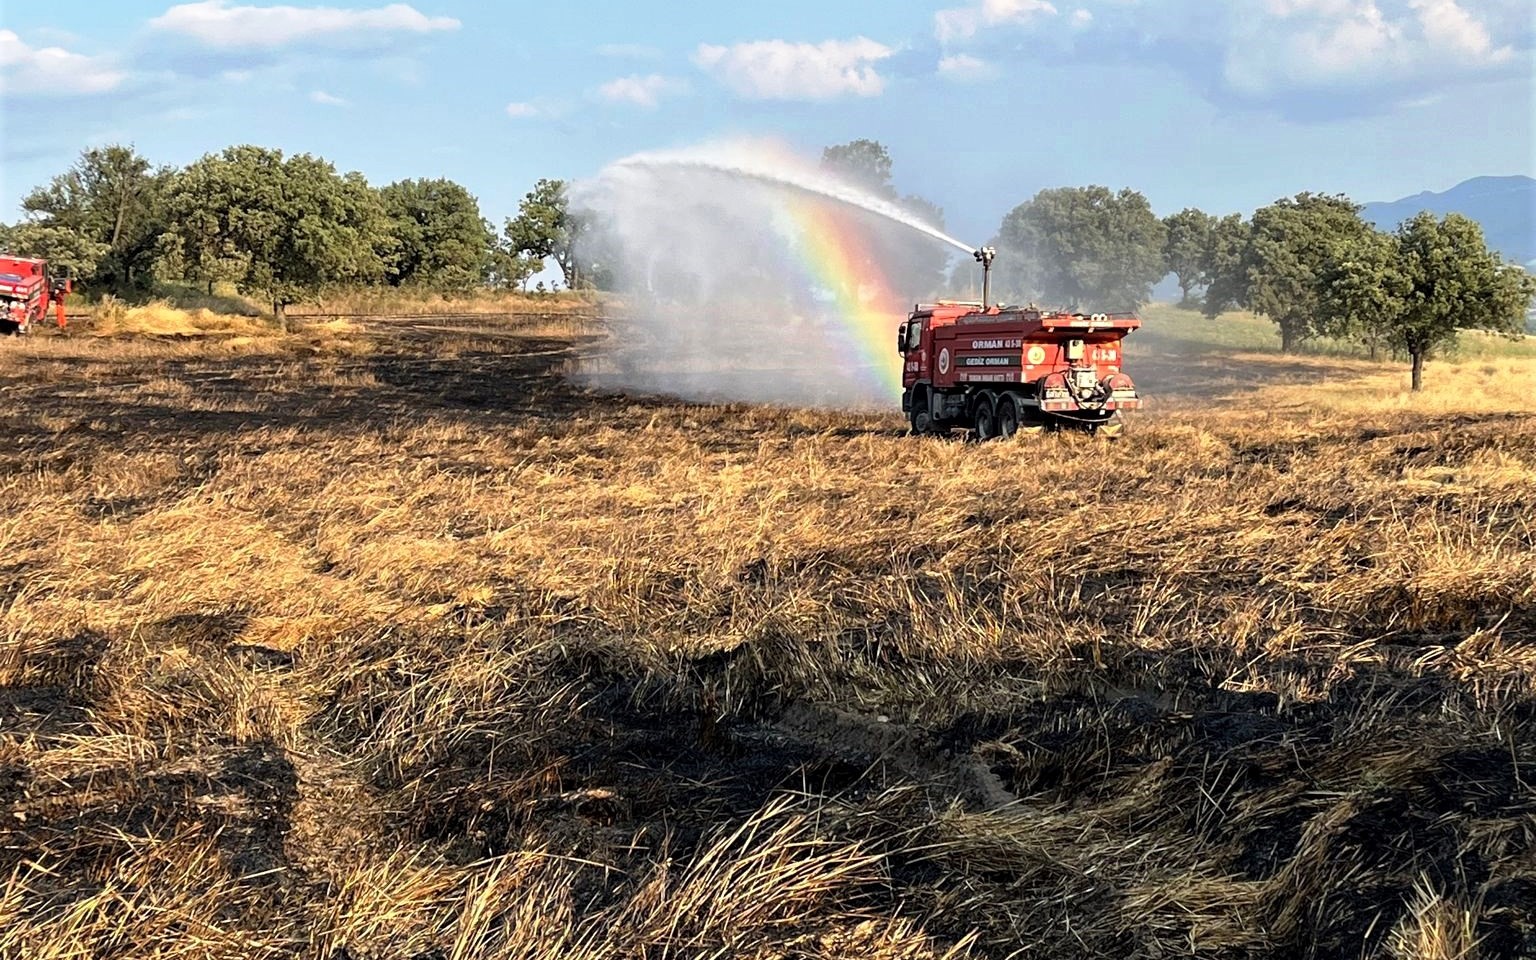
(1007, 416)
(920, 416)
(986, 418)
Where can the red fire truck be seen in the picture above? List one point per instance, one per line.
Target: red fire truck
(26, 292)
(998, 371)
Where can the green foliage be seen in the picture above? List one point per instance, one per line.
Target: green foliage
(282, 227)
(63, 248)
(546, 227)
(1187, 248)
(1290, 246)
(862, 163)
(440, 239)
(1222, 264)
(1362, 291)
(102, 218)
(1081, 246)
(916, 262)
(1417, 288)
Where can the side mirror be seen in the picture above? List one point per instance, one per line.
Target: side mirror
(901, 339)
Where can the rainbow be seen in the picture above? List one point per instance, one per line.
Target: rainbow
(834, 253)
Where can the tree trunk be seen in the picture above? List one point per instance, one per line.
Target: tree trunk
(1287, 338)
(1418, 369)
(1184, 286)
(279, 310)
(210, 288)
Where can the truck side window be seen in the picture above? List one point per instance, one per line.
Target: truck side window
(914, 336)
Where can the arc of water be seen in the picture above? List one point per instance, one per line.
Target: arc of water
(799, 180)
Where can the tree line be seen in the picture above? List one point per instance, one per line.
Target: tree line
(1309, 263)
(282, 228)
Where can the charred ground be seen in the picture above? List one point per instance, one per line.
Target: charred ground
(385, 639)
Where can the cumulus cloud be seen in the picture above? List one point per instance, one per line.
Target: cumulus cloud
(781, 70)
(221, 25)
(522, 110)
(962, 23)
(1304, 58)
(964, 67)
(53, 71)
(1356, 44)
(328, 99)
(641, 91)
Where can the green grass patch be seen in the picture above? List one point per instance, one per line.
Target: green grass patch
(1171, 329)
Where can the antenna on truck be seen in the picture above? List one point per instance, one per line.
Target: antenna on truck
(984, 257)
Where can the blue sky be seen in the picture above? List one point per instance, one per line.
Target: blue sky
(1221, 105)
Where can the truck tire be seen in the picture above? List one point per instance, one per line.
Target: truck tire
(986, 417)
(1008, 416)
(920, 416)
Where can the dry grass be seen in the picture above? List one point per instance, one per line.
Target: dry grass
(391, 643)
(409, 301)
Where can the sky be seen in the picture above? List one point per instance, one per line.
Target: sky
(1225, 105)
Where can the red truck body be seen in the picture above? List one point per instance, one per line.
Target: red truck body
(997, 371)
(26, 292)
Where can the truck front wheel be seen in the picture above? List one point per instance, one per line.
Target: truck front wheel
(920, 415)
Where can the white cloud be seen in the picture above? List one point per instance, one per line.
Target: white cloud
(780, 70)
(1447, 26)
(522, 110)
(1081, 17)
(962, 23)
(1293, 45)
(216, 23)
(964, 67)
(328, 99)
(53, 71)
(642, 91)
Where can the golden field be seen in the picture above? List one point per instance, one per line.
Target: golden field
(382, 639)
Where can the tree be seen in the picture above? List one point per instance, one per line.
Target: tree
(103, 215)
(1419, 287)
(504, 268)
(1081, 246)
(1222, 264)
(1186, 250)
(1291, 243)
(290, 226)
(440, 239)
(63, 248)
(865, 164)
(1363, 290)
(545, 227)
(917, 260)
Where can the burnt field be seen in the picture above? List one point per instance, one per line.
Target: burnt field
(387, 639)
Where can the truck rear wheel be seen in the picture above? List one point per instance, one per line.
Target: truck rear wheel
(1007, 416)
(986, 417)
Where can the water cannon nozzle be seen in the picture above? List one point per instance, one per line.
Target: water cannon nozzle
(984, 255)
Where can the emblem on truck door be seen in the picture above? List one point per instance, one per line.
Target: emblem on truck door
(944, 362)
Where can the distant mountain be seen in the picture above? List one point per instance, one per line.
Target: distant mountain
(1505, 206)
